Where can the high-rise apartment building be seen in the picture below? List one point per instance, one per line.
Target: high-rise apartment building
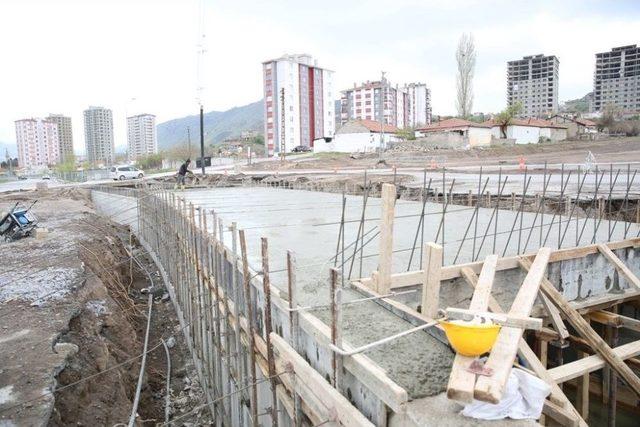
(533, 81)
(65, 135)
(98, 135)
(406, 106)
(419, 100)
(141, 136)
(617, 79)
(38, 144)
(298, 102)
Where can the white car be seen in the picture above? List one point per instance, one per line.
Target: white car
(120, 173)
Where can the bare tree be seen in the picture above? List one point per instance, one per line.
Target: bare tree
(466, 60)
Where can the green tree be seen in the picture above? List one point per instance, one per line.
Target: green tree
(68, 165)
(406, 134)
(608, 119)
(504, 118)
(150, 161)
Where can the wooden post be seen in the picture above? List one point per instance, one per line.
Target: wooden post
(240, 357)
(432, 262)
(513, 201)
(503, 353)
(582, 392)
(461, 381)
(613, 380)
(386, 238)
(266, 285)
(252, 342)
(336, 327)
(585, 330)
(470, 198)
(293, 327)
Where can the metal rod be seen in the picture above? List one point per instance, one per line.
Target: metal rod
(495, 210)
(266, 286)
(252, 344)
(420, 226)
(475, 212)
(506, 246)
(535, 218)
(495, 226)
(524, 195)
(382, 341)
(563, 187)
(475, 226)
(594, 200)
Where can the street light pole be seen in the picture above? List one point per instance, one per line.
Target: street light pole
(202, 139)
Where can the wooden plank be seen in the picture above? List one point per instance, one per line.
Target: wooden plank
(364, 369)
(585, 330)
(517, 321)
(432, 260)
(413, 278)
(536, 365)
(344, 411)
(461, 381)
(555, 317)
(592, 363)
(490, 389)
(616, 320)
(386, 238)
(560, 414)
(620, 266)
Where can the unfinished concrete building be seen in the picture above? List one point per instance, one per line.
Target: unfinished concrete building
(616, 80)
(533, 82)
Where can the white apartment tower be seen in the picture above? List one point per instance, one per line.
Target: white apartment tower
(617, 79)
(141, 136)
(298, 102)
(419, 102)
(98, 135)
(533, 81)
(65, 135)
(38, 144)
(401, 106)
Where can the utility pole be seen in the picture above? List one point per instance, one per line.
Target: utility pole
(282, 126)
(189, 140)
(9, 161)
(202, 138)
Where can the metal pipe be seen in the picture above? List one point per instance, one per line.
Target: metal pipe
(369, 346)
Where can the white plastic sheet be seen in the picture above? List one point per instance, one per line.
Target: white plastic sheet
(523, 398)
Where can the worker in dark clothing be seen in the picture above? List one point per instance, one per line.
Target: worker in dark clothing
(182, 173)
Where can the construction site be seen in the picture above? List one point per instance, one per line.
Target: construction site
(373, 291)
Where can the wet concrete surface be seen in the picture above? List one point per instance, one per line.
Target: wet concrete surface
(308, 223)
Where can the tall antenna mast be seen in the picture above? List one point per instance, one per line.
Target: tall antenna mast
(200, 85)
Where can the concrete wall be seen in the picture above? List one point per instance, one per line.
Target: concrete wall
(479, 137)
(363, 142)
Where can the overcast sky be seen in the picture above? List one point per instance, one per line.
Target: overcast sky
(133, 56)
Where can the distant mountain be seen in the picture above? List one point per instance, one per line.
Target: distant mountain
(218, 125)
(13, 150)
(580, 105)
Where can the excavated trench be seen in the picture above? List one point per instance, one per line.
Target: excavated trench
(99, 382)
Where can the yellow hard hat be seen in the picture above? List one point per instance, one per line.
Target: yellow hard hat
(470, 339)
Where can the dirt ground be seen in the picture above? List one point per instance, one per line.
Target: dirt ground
(605, 151)
(73, 316)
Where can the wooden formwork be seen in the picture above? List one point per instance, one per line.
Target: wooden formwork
(250, 343)
(465, 386)
(265, 374)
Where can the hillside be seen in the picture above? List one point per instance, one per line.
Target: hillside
(218, 125)
(580, 105)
